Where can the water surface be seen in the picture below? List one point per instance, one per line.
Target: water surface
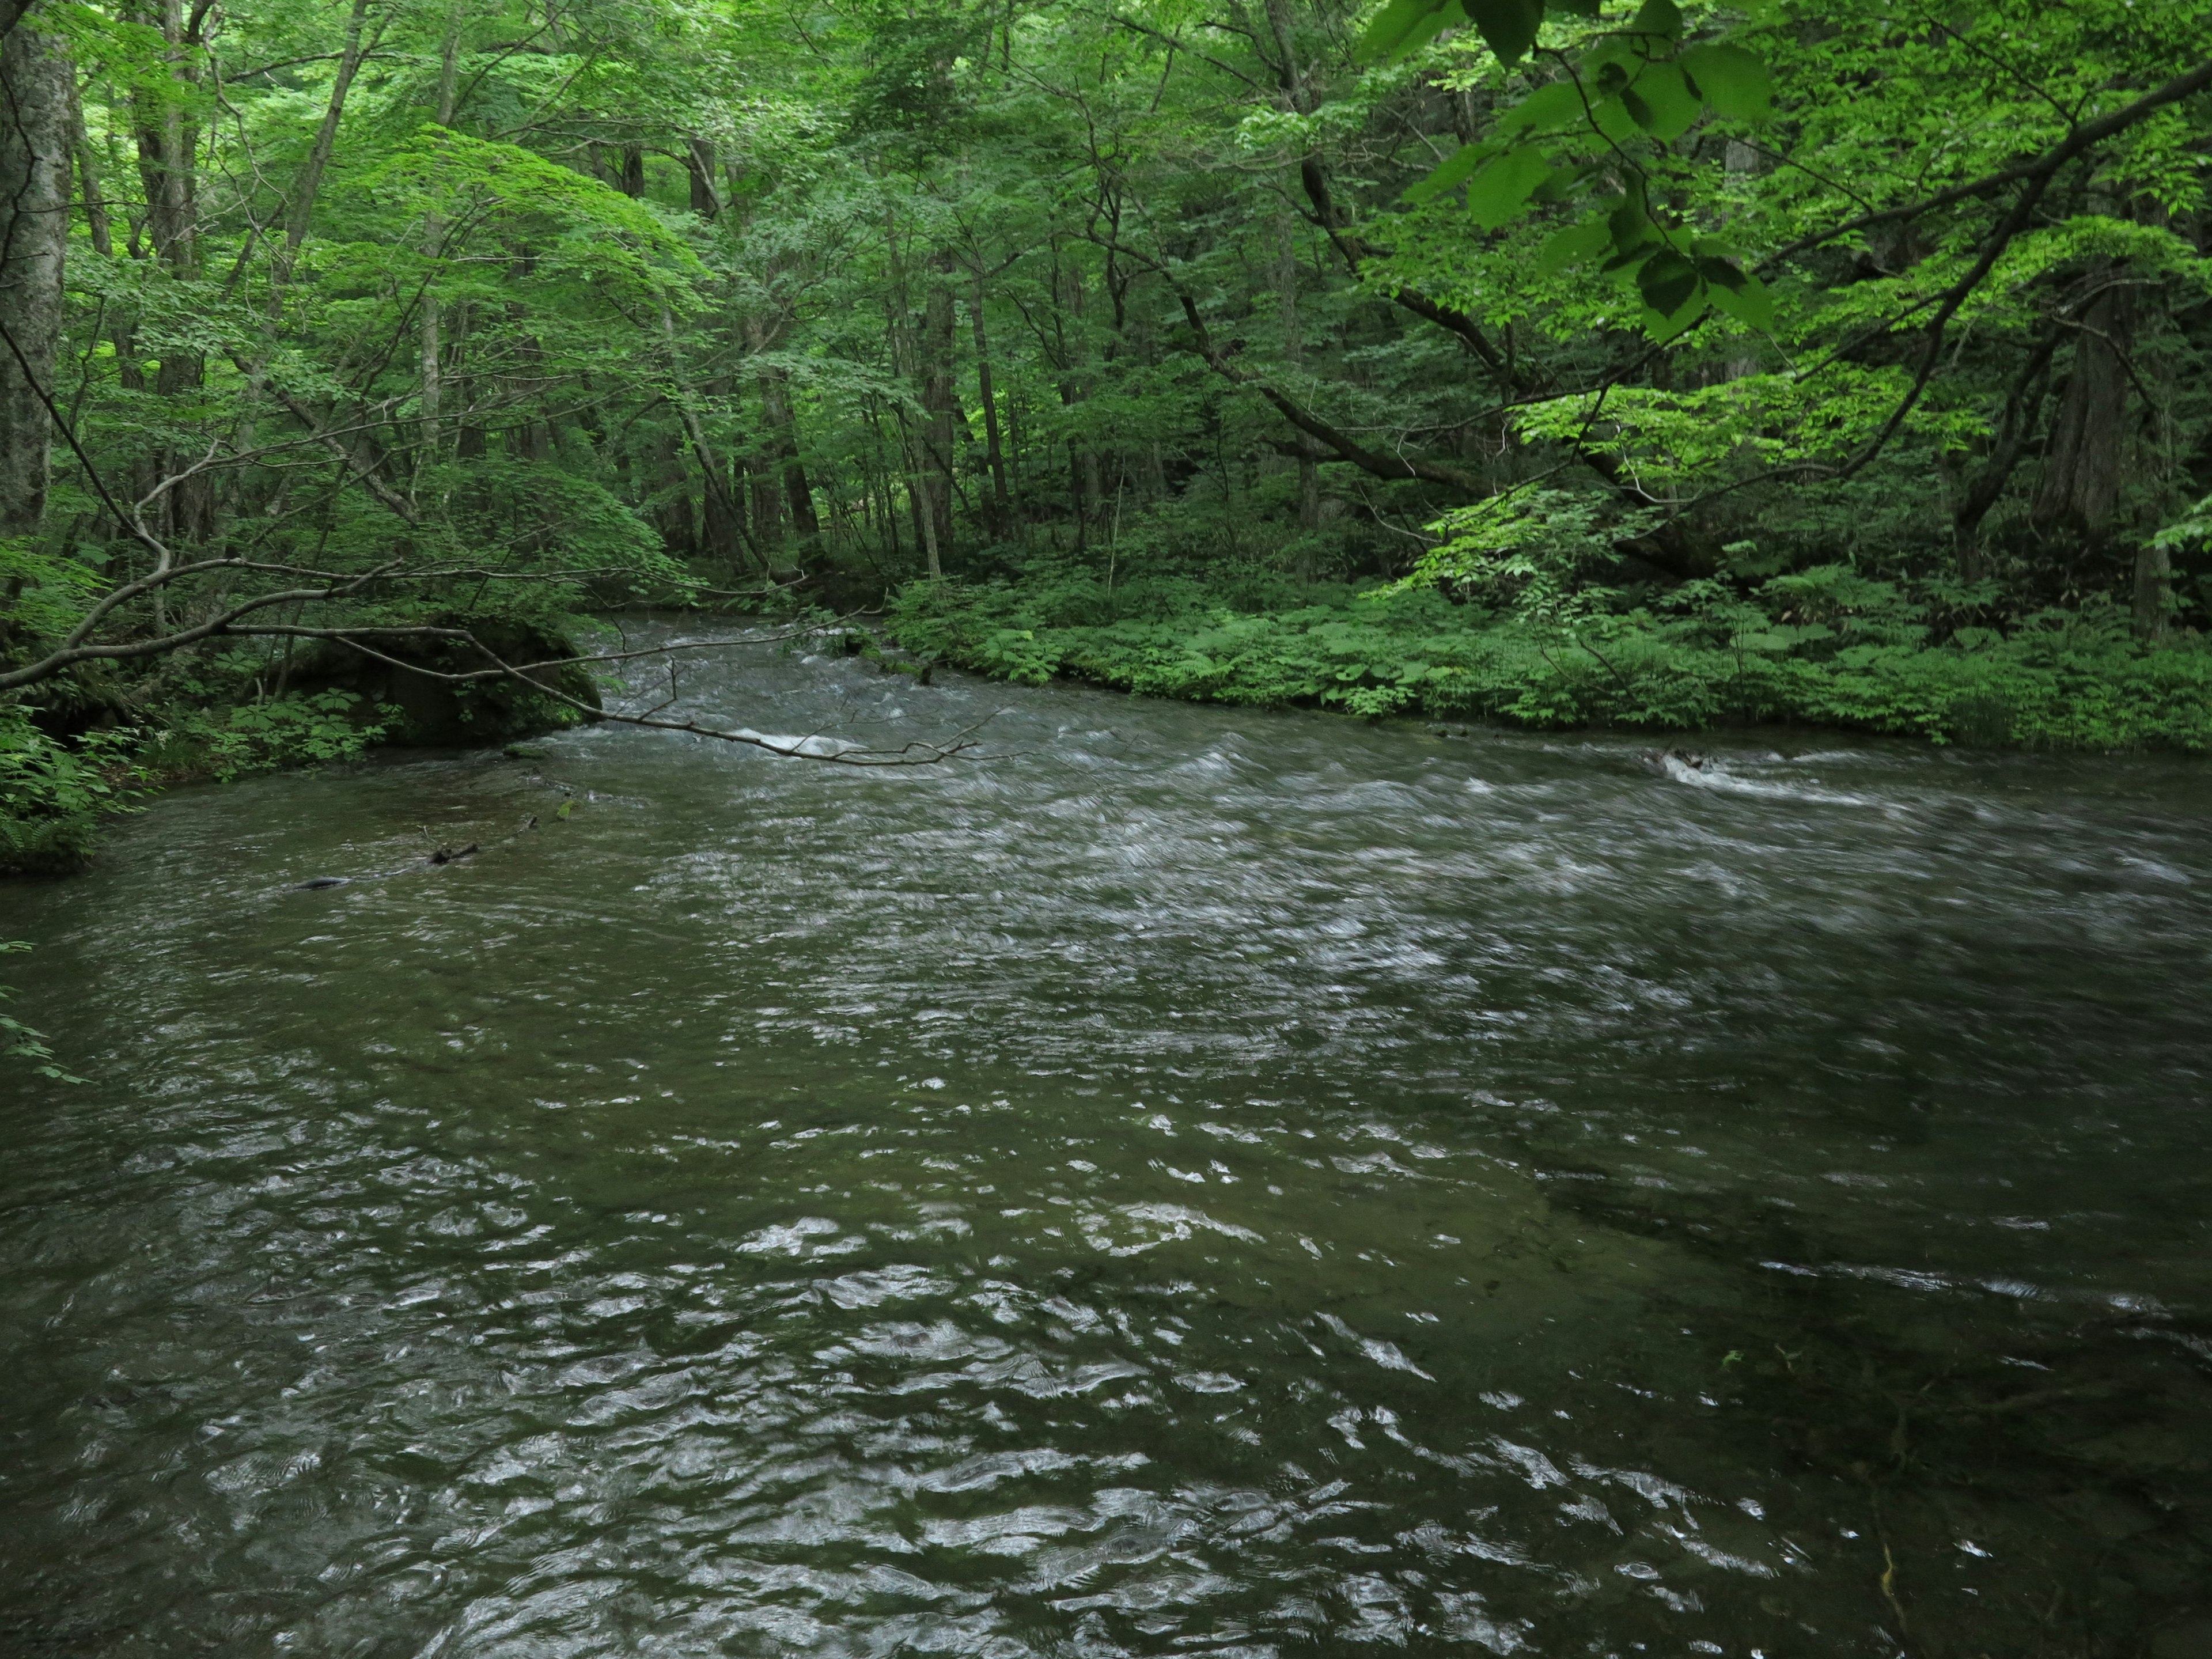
(1193, 1181)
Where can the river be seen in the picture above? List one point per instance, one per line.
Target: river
(1180, 1180)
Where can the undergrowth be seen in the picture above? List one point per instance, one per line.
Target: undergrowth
(1824, 646)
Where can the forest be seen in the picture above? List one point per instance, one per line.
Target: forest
(1561, 366)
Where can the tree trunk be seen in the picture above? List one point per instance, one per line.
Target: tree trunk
(1002, 511)
(168, 143)
(937, 402)
(2015, 421)
(36, 84)
(2080, 489)
(699, 163)
(1286, 305)
(2154, 570)
(783, 433)
(721, 527)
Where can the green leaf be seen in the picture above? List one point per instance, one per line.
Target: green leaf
(1510, 26)
(1388, 34)
(1573, 245)
(1632, 228)
(1733, 82)
(1560, 183)
(1657, 17)
(1453, 170)
(1503, 187)
(1663, 328)
(1669, 106)
(1551, 105)
(1611, 117)
(1667, 280)
(1737, 295)
(1444, 17)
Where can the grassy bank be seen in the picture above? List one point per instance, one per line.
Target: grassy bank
(1823, 647)
(84, 745)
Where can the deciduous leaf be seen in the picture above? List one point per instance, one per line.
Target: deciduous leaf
(1503, 187)
(1547, 106)
(1388, 34)
(1667, 279)
(1632, 229)
(1453, 170)
(1663, 328)
(1662, 103)
(1733, 82)
(1509, 27)
(1657, 17)
(1574, 245)
(1737, 294)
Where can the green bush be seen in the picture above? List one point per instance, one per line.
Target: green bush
(53, 794)
(311, 729)
(1826, 647)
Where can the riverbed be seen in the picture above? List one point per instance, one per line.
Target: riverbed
(1170, 1181)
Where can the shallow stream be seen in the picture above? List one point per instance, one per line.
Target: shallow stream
(1187, 1181)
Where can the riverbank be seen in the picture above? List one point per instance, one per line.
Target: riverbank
(1824, 648)
(93, 742)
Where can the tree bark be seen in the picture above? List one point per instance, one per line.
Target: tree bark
(168, 142)
(1002, 509)
(2080, 489)
(937, 402)
(783, 433)
(2015, 421)
(1286, 304)
(36, 85)
(699, 163)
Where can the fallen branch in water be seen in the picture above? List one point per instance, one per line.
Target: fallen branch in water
(815, 746)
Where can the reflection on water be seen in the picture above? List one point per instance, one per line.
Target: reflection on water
(1200, 1182)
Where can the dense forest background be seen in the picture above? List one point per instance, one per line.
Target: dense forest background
(1660, 368)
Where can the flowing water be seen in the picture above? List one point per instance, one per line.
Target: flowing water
(1187, 1181)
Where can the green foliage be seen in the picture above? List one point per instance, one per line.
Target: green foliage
(1600, 135)
(53, 795)
(318, 728)
(1824, 648)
